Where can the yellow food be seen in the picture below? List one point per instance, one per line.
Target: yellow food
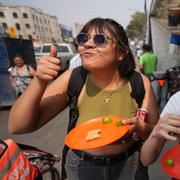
(93, 134)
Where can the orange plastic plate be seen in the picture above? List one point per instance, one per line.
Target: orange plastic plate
(76, 138)
(173, 171)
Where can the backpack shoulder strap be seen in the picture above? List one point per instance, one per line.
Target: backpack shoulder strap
(137, 85)
(76, 81)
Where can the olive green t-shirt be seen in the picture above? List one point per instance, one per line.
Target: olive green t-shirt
(97, 102)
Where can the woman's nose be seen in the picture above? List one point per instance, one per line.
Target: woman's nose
(89, 43)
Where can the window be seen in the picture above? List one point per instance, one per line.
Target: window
(15, 15)
(18, 27)
(30, 36)
(28, 26)
(46, 48)
(4, 26)
(62, 48)
(2, 14)
(25, 15)
(20, 36)
(37, 49)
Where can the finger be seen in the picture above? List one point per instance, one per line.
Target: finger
(46, 59)
(129, 121)
(170, 137)
(52, 73)
(53, 51)
(172, 116)
(53, 66)
(48, 75)
(48, 71)
(173, 122)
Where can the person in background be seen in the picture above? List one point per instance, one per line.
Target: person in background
(20, 75)
(168, 128)
(75, 61)
(139, 52)
(108, 60)
(147, 61)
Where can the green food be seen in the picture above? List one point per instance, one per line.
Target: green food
(107, 120)
(170, 162)
(119, 123)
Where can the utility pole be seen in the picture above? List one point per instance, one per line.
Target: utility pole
(146, 15)
(145, 7)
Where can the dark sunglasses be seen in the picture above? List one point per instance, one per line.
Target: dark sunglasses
(98, 39)
(3, 147)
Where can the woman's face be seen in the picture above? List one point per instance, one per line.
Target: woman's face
(94, 57)
(18, 61)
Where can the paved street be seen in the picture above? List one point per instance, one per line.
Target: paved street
(51, 138)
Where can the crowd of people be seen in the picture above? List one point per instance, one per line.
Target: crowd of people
(105, 55)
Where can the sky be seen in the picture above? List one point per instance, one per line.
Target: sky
(81, 11)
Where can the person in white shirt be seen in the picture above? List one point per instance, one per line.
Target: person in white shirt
(75, 61)
(168, 128)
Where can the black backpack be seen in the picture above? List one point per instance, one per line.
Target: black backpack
(76, 83)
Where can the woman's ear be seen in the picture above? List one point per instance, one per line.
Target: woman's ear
(123, 50)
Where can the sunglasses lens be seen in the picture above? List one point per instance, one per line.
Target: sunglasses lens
(81, 39)
(99, 39)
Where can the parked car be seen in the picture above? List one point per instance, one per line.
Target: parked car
(64, 52)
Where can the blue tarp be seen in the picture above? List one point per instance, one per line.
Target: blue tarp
(6, 93)
(175, 39)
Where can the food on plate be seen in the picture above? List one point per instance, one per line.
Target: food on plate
(93, 134)
(170, 162)
(107, 120)
(119, 123)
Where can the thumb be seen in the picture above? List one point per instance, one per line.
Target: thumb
(53, 51)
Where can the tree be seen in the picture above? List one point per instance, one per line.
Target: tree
(136, 27)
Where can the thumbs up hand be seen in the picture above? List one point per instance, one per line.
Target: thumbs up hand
(48, 66)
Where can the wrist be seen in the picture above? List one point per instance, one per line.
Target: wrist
(41, 82)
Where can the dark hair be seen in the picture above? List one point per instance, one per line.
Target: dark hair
(127, 64)
(146, 47)
(18, 56)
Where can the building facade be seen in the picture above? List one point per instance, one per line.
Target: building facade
(164, 32)
(29, 23)
(66, 33)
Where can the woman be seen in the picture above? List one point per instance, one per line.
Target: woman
(105, 53)
(20, 76)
